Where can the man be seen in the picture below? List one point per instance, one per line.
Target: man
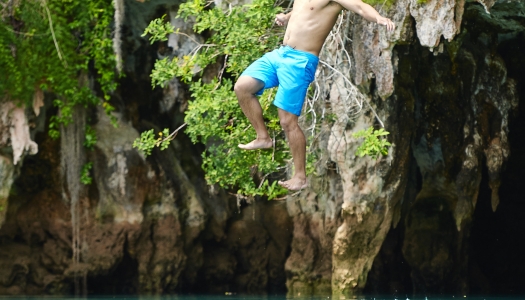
(292, 68)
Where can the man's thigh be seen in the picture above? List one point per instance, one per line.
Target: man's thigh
(296, 72)
(287, 117)
(264, 70)
(249, 84)
(291, 99)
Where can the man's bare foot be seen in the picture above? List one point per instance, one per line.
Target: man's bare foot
(257, 144)
(294, 184)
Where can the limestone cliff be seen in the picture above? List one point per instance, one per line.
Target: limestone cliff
(448, 85)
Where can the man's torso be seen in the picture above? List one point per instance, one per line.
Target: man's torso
(310, 24)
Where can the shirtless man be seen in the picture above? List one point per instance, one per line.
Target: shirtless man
(292, 68)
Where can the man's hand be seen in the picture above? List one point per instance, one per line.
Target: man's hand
(366, 11)
(390, 26)
(282, 19)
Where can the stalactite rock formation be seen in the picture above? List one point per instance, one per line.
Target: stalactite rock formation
(472, 84)
(14, 131)
(20, 138)
(177, 45)
(152, 221)
(450, 199)
(435, 19)
(367, 210)
(15, 142)
(372, 47)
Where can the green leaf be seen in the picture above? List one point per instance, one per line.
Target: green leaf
(372, 145)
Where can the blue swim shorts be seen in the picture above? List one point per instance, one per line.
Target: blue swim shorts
(292, 70)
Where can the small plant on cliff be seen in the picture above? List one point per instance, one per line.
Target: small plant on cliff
(85, 178)
(374, 143)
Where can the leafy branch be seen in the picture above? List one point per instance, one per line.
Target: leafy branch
(147, 140)
(158, 30)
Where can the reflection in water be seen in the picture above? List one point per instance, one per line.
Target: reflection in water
(239, 297)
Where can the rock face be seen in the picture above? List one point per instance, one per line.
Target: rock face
(448, 121)
(446, 84)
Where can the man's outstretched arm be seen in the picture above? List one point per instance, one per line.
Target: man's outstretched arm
(282, 19)
(367, 12)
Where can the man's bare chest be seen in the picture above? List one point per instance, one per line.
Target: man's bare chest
(316, 7)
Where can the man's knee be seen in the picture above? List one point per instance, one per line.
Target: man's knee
(288, 122)
(239, 86)
(245, 85)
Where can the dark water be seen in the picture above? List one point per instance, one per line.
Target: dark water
(238, 297)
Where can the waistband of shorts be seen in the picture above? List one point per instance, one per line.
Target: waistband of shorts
(309, 55)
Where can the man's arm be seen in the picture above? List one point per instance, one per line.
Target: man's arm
(367, 12)
(282, 19)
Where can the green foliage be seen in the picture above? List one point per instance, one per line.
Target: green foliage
(215, 119)
(158, 30)
(164, 140)
(373, 145)
(91, 138)
(51, 45)
(271, 191)
(242, 34)
(32, 57)
(85, 176)
(166, 69)
(387, 4)
(147, 141)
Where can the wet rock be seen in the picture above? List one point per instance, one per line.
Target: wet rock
(6, 180)
(462, 112)
(118, 170)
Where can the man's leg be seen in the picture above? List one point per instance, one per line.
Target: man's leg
(245, 89)
(298, 147)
